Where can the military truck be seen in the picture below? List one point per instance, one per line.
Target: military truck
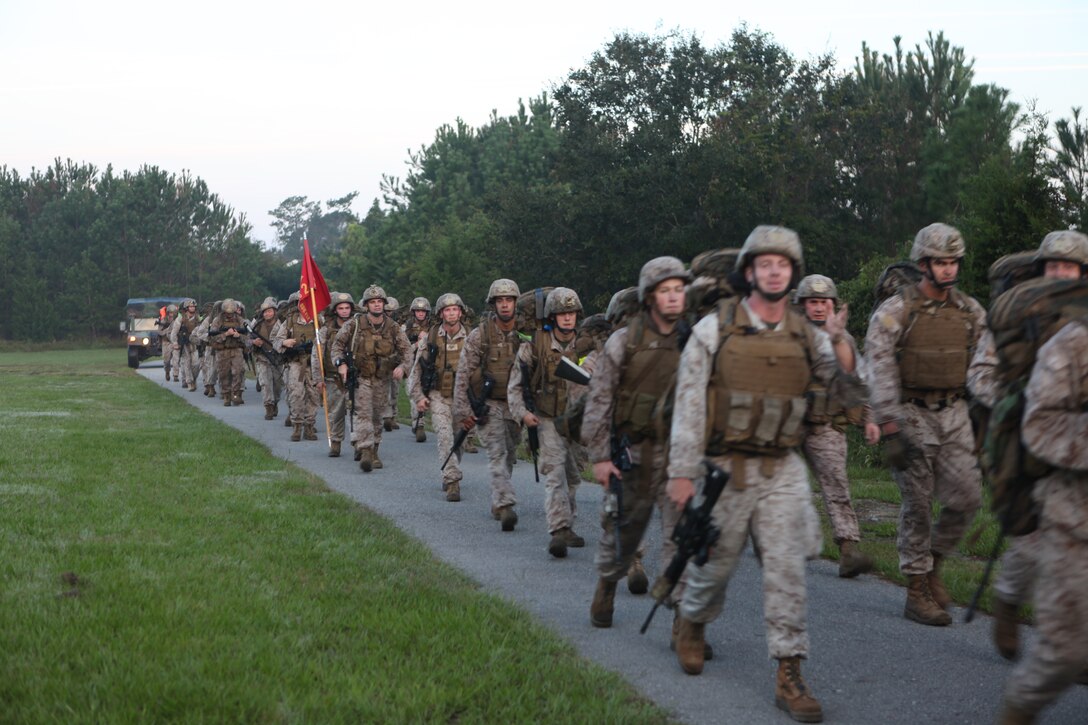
(141, 327)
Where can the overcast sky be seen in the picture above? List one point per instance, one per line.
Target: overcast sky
(318, 98)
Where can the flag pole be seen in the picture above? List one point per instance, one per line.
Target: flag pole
(321, 367)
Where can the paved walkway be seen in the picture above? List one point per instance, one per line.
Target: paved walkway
(868, 664)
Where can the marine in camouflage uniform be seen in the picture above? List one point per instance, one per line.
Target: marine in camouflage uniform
(551, 396)
(207, 361)
(1061, 255)
(269, 374)
(294, 339)
(227, 338)
(825, 444)
(184, 347)
(389, 413)
(447, 341)
(326, 380)
(415, 328)
(490, 350)
(631, 379)
(918, 346)
(1055, 419)
(379, 350)
(740, 400)
(169, 351)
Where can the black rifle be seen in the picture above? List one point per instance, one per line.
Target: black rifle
(479, 411)
(694, 535)
(428, 379)
(349, 360)
(270, 354)
(621, 459)
(530, 431)
(299, 350)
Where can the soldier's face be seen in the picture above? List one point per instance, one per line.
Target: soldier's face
(504, 307)
(818, 309)
(944, 270)
(376, 306)
(191, 309)
(343, 310)
(1061, 269)
(770, 275)
(668, 299)
(566, 320)
(269, 313)
(451, 315)
(421, 315)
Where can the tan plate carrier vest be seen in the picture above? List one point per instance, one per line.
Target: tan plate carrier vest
(331, 328)
(756, 400)
(373, 349)
(498, 351)
(647, 373)
(225, 342)
(301, 332)
(448, 356)
(550, 391)
(936, 346)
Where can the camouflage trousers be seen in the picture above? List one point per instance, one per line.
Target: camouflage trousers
(643, 491)
(390, 409)
(1019, 568)
(559, 467)
(825, 449)
(187, 363)
(271, 379)
(1061, 617)
(946, 470)
(442, 421)
(209, 368)
(370, 399)
(500, 435)
(775, 507)
(168, 357)
(231, 366)
(336, 395)
(302, 395)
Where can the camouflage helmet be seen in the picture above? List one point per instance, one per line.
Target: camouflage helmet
(502, 288)
(1066, 246)
(448, 300)
(766, 239)
(391, 304)
(187, 302)
(229, 307)
(937, 241)
(338, 298)
(293, 298)
(658, 270)
(621, 306)
(817, 286)
(171, 309)
(560, 300)
(374, 292)
(420, 303)
(268, 304)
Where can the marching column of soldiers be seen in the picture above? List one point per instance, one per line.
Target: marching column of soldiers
(749, 385)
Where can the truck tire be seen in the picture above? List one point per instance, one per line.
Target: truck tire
(133, 357)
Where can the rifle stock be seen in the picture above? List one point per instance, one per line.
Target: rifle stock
(621, 459)
(531, 433)
(479, 411)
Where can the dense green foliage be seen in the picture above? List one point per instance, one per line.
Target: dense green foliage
(658, 144)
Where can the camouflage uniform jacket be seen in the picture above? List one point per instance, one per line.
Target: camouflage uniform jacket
(200, 334)
(401, 353)
(325, 335)
(982, 379)
(415, 387)
(887, 327)
(1055, 427)
(525, 355)
(472, 358)
(687, 444)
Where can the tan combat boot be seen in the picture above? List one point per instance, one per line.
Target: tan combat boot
(387, 423)
(453, 491)
(469, 445)
(366, 459)
(1006, 629)
(209, 391)
(268, 414)
(226, 402)
(600, 610)
(377, 461)
(920, 605)
(792, 694)
(936, 584)
(557, 547)
(637, 581)
(296, 436)
(690, 643)
(358, 452)
(308, 432)
(192, 387)
(508, 518)
(396, 423)
(708, 651)
(421, 434)
(1012, 715)
(238, 400)
(334, 449)
(851, 561)
(287, 421)
(574, 541)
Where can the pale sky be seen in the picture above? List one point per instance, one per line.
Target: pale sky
(318, 98)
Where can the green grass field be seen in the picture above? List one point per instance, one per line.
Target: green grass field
(157, 566)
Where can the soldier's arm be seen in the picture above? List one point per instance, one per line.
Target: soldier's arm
(514, 386)
(885, 328)
(415, 386)
(601, 398)
(315, 359)
(278, 336)
(342, 340)
(468, 364)
(687, 442)
(982, 372)
(403, 353)
(1055, 416)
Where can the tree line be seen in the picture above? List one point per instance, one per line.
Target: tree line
(657, 145)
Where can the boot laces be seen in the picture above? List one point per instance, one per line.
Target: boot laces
(793, 674)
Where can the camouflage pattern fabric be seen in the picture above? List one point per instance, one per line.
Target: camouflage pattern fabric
(441, 409)
(1019, 569)
(825, 450)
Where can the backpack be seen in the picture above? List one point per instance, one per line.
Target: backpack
(895, 278)
(710, 271)
(530, 310)
(1022, 320)
(1011, 270)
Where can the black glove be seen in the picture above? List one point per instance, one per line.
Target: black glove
(899, 450)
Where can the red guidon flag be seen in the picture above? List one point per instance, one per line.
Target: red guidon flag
(313, 293)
